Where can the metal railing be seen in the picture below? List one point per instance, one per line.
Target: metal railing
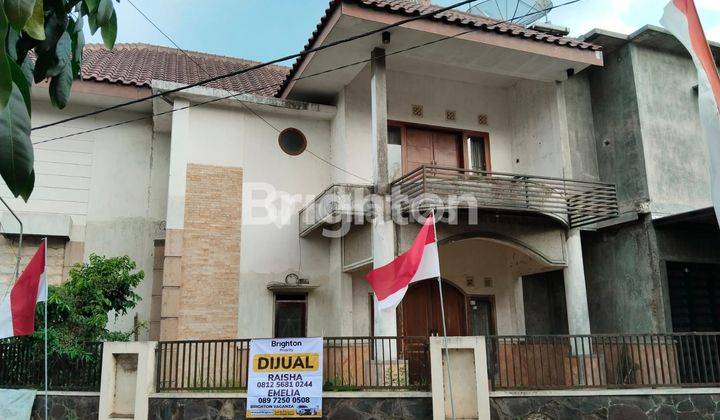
(338, 200)
(604, 361)
(577, 203)
(350, 363)
(22, 366)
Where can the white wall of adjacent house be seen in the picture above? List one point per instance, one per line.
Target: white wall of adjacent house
(101, 192)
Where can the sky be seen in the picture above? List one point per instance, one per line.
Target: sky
(266, 29)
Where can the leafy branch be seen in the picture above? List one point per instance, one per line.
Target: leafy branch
(53, 31)
(78, 310)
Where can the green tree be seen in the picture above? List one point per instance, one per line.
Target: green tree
(53, 30)
(79, 309)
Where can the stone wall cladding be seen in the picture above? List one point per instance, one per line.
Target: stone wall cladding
(63, 407)
(8, 252)
(208, 306)
(333, 408)
(629, 407)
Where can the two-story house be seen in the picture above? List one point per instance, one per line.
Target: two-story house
(245, 201)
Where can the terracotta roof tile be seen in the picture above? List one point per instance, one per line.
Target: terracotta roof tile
(411, 8)
(139, 64)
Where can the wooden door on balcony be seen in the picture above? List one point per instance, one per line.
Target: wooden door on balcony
(432, 147)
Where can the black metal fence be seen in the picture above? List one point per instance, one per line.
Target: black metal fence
(22, 365)
(349, 363)
(604, 361)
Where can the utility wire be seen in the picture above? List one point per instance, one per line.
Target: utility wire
(245, 105)
(261, 88)
(261, 65)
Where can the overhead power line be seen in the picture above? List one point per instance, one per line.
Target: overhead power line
(261, 88)
(260, 65)
(245, 105)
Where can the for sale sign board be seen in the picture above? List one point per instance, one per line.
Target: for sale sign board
(285, 378)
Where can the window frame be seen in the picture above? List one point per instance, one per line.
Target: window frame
(465, 142)
(486, 149)
(303, 298)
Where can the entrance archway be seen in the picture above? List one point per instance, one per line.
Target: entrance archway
(420, 313)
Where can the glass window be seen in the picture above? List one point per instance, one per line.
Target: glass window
(394, 152)
(394, 134)
(290, 311)
(478, 160)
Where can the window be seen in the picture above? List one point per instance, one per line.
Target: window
(394, 152)
(290, 316)
(394, 135)
(292, 141)
(478, 160)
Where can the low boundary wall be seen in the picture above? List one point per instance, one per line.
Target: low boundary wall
(67, 405)
(701, 403)
(336, 405)
(556, 405)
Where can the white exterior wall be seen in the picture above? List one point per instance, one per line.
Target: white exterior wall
(524, 124)
(523, 120)
(110, 183)
(224, 136)
(113, 184)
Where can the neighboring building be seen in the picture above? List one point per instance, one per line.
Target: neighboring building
(512, 120)
(654, 269)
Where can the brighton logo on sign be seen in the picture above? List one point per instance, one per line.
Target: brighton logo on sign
(285, 378)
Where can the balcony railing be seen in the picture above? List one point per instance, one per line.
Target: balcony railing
(577, 203)
(604, 361)
(349, 363)
(339, 200)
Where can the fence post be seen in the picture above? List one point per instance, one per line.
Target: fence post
(470, 353)
(128, 379)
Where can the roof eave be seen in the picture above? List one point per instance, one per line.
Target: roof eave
(327, 23)
(567, 49)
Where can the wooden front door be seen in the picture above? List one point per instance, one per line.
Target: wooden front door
(421, 314)
(432, 147)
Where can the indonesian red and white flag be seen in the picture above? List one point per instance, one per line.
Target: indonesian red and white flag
(682, 20)
(17, 308)
(420, 262)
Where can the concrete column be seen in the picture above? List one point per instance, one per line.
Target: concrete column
(378, 97)
(383, 231)
(575, 292)
(383, 249)
(175, 221)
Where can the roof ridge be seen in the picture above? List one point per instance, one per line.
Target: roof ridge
(163, 48)
(137, 64)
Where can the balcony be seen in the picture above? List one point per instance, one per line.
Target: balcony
(574, 203)
(336, 202)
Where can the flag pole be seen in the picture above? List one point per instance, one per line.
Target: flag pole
(46, 328)
(445, 342)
